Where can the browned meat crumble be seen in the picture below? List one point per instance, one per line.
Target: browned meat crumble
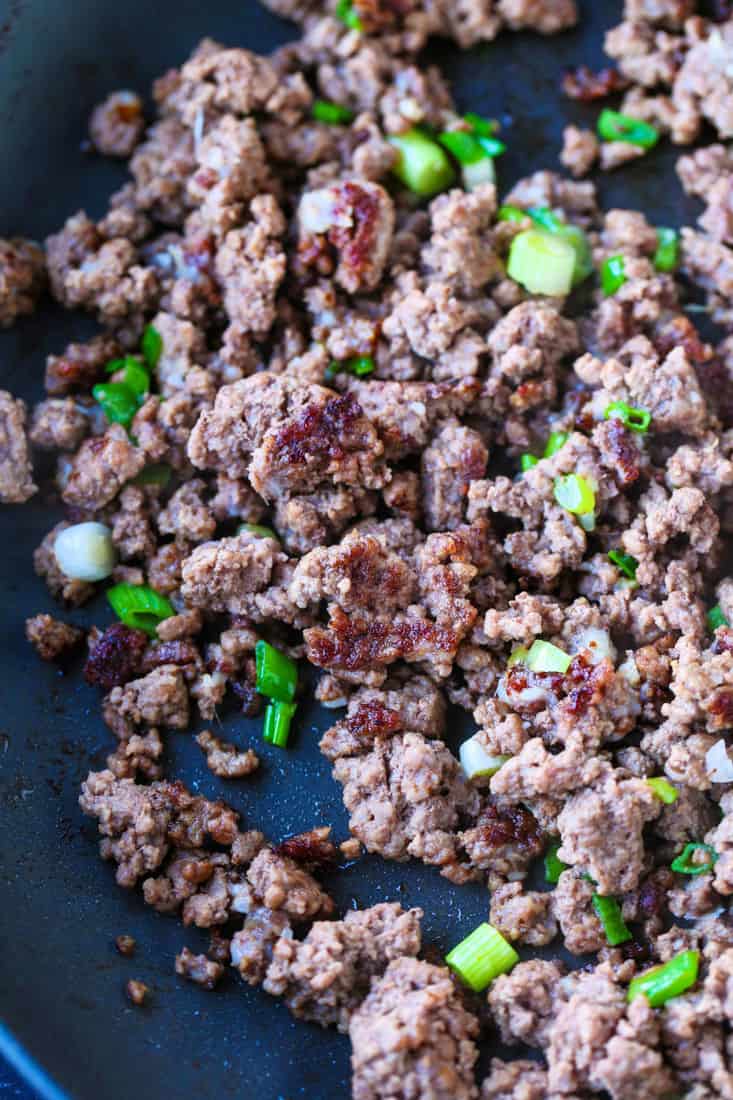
(381, 526)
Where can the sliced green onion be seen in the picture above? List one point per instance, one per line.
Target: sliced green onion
(613, 126)
(546, 657)
(157, 474)
(139, 607)
(661, 983)
(422, 165)
(481, 957)
(332, 113)
(686, 864)
(609, 914)
(555, 443)
(462, 145)
(625, 563)
(547, 219)
(476, 762)
(667, 255)
(575, 494)
(636, 420)
(587, 521)
(518, 656)
(662, 789)
(135, 375)
(257, 529)
(509, 213)
(542, 263)
(360, 365)
(151, 346)
(492, 146)
(118, 401)
(527, 461)
(483, 127)
(277, 674)
(278, 717)
(716, 618)
(554, 866)
(348, 16)
(613, 275)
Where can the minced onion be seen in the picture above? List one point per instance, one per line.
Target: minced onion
(476, 762)
(718, 764)
(85, 552)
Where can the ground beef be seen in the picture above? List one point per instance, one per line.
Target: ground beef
(199, 969)
(16, 471)
(280, 883)
(326, 976)
(412, 1037)
(158, 699)
(522, 917)
(22, 278)
(51, 638)
(117, 124)
(601, 831)
(406, 797)
(100, 468)
(580, 150)
(224, 759)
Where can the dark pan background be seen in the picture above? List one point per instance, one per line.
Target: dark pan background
(61, 981)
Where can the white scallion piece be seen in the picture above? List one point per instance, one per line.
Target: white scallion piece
(476, 762)
(85, 552)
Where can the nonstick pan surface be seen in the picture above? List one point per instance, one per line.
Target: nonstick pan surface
(61, 981)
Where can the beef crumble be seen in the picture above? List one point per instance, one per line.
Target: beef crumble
(357, 428)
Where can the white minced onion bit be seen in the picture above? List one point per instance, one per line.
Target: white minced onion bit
(85, 552)
(474, 175)
(718, 764)
(629, 671)
(476, 762)
(596, 643)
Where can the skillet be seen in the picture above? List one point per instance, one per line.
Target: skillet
(65, 1022)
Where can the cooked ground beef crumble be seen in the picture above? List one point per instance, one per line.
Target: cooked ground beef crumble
(386, 526)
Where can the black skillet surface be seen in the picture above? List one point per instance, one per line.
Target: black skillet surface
(61, 982)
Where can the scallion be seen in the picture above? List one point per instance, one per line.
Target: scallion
(422, 164)
(157, 474)
(277, 674)
(476, 762)
(662, 789)
(556, 442)
(661, 983)
(276, 729)
(139, 607)
(462, 145)
(575, 494)
(546, 657)
(687, 864)
(151, 346)
(613, 126)
(636, 420)
(134, 374)
(527, 461)
(554, 866)
(360, 365)
(542, 263)
(509, 213)
(332, 113)
(613, 275)
(346, 12)
(547, 219)
(257, 529)
(482, 957)
(716, 618)
(625, 563)
(609, 914)
(118, 401)
(667, 255)
(518, 656)
(483, 127)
